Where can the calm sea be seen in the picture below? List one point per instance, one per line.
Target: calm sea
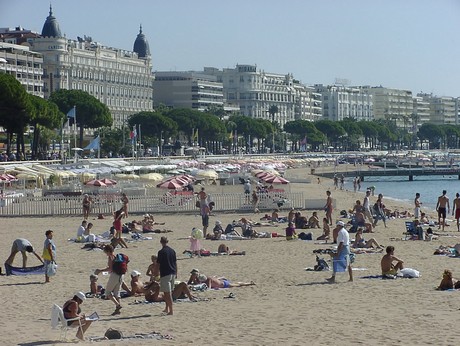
(429, 187)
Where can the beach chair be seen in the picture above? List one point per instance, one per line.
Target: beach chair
(411, 231)
(58, 321)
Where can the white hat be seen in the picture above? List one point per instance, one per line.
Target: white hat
(80, 295)
(340, 223)
(218, 222)
(135, 273)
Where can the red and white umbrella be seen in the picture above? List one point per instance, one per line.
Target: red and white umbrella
(7, 177)
(108, 182)
(275, 180)
(171, 185)
(96, 182)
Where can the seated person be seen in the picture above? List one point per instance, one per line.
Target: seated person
(361, 243)
(357, 207)
(81, 230)
(71, 309)
(230, 229)
(214, 282)
(217, 231)
(424, 219)
(137, 286)
(290, 231)
(326, 231)
(275, 216)
(386, 264)
(154, 269)
(153, 294)
(95, 289)
(246, 228)
(300, 221)
(361, 222)
(447, 282)
(313, 221)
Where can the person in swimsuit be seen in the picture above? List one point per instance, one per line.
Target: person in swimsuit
(86, 206)
(443, 208)
(118, 215)
(71, 309)
(214, 282)
(388, 268)
(456, 209)
(328, 207)
(124, 201)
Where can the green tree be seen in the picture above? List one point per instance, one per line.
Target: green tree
(90, 112)
(154, 125)
(14, 109)
(331, 129)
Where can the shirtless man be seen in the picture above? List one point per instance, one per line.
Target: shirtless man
(313, 221)
(86, 204)
(153, 294)
(417, 205)
(456, 209)
(367, 207)
(137, 286)
(328, 207)
(203, 196)
(443, 208)
(388, 268)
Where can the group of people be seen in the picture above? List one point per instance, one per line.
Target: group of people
(87, 203)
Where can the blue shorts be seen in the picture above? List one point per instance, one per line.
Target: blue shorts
(226, 283)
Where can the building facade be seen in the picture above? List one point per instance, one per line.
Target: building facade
(256, 91)
(120, 79)
(340, 102)
(24, 64)
(195, 90)
(442, 110)
(393, 105)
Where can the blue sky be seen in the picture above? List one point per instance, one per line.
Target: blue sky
(403, 44)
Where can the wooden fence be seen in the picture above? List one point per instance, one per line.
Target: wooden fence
(59, 205)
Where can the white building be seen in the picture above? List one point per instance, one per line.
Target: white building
(24, 64)
(442, 110)
(255, 91)
(393, 105)
(121, 79)
(341, 102)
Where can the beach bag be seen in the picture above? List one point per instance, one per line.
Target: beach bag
(113, 334)
(321, 264)
(410, 273)
(120, 264)
(305, 236)
(198, 204)
(51, 269)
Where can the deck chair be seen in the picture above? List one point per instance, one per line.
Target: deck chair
(58, 321)
(411, 231)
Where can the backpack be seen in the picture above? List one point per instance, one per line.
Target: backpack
(113, 334)
(120, 264)
(321, 264)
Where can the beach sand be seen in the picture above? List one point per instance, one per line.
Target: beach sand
(287, 306)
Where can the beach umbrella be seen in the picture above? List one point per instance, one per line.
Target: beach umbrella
(206, 174)
(171, 185)
(276, 180)
(127, 176)
(151, 176)
(108, 182)
(95, 182)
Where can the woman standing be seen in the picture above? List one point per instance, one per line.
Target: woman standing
(117, 216)
(379, 209)
(124, 201)
(49, 255)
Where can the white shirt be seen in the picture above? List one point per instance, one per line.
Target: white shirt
(343, 237)
(366, 203)
(80, 231)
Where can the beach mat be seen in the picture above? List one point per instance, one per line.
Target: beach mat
(37, 270)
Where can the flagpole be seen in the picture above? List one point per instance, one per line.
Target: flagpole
(75, 132)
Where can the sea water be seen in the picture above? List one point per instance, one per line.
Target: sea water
(400, 188)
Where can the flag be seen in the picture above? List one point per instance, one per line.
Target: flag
(133, 134)
(230, 136)
(95, 144)
(304, 141)
(195, 135)
(71, 113)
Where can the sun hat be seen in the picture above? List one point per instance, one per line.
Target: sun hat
(194, 271)
(135, 273)
(340, 223)
(80, 295)
(218, 222)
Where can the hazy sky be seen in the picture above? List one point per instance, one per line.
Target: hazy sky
(403, 44)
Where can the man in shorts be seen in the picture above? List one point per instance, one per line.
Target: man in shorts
(443, 208)
(21, 245)
(388, 268)
(168, 273)
(456, 209)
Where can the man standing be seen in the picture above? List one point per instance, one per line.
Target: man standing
(341, 260)
(247, 190)
(112, 289)
(328, 207)
(168, 273)
(456, 209)
(367, 207)
(417, 205)
(443, 208)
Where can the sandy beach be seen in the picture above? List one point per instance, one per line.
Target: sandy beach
(288, 305)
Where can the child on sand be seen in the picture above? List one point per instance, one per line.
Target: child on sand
(153, 270)
(195, 245)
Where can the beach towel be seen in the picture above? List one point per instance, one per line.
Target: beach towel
(37, 270)
(340, 263)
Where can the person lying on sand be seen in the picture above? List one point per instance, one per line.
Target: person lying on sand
(214, 282)
(223, 249)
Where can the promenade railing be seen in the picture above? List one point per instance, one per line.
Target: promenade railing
(59, 205)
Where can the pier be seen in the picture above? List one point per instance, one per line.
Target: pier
(393, 172)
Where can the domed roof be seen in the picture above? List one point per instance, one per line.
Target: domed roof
(51, 26)
(141, 46)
